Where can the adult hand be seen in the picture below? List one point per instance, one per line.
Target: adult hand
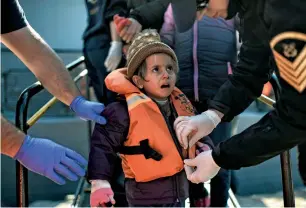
(88, 110)
(114, 56)
(101, 193)
(206, 168)
(127, 27)
(190, 129)
(51, 160)
(128, 32)
(121, 22)
(215, 8)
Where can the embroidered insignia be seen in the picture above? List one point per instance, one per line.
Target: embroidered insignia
(186, 104)
(289, 50)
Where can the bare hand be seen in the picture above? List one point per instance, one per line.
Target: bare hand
(128, 32)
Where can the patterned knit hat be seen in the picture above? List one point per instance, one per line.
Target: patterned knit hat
(143, 45)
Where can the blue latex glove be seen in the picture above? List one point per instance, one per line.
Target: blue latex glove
(88, 110)
(51, 160)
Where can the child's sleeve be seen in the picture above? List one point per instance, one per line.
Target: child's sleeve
(207, 141)
(106, 140)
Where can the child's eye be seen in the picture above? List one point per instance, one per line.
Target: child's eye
(155, 69)
(170, 68)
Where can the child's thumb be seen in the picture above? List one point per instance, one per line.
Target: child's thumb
(111, 197)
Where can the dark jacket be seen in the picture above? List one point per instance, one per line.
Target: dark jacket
(100, 13)
(284, 127)
(205, 54)
(149, 13)
(106, 141)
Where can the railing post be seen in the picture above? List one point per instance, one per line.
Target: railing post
(21, 172)
(288, 192)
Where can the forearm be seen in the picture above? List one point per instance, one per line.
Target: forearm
(11, 138)
(31, 49)
(266, 139)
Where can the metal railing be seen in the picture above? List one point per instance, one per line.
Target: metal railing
(24, 124)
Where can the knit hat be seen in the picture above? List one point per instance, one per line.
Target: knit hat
(143, 45)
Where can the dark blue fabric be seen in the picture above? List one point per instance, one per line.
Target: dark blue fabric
(216, 47)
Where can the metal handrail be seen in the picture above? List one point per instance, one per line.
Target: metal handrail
(288, 192)
(22, 123)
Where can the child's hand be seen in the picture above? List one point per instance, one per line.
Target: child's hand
(101, 193)
(201, 147)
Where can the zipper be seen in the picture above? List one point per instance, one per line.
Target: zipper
(176, 142)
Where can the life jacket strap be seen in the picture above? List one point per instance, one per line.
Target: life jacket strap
(144, 148)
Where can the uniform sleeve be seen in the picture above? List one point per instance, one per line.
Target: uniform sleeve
(115, 7)
(150, 15)
(106, 140)
(12, 16)
(246, 83)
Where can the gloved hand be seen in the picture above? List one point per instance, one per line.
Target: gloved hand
(200, 147)
(101, 193)
(193, 128)
(206, 168)
(114, 56)
(127, 27)
(88, 110)
(51, 160)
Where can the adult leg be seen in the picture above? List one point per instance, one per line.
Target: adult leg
(220, 184)
(302, 161)
(94, 60)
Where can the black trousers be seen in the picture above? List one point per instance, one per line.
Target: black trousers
(302, 161)
(94, 61)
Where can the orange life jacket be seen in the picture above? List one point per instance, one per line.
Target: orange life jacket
(147, 122)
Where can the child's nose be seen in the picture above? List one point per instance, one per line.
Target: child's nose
(166, 74)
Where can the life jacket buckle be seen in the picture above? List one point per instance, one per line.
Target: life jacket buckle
(148, 152)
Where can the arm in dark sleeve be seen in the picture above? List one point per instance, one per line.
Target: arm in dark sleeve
(105, 141)
(115, 7)
(246, 83)
(266, 139)
(12, 16)
(150, 15)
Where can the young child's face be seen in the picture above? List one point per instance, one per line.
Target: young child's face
(160, 76)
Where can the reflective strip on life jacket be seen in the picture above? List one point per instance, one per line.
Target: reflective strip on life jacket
(136, 99)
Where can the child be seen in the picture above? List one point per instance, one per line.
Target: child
(141, 130)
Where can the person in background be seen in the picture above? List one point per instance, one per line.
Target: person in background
(206, 54)
(102, 45)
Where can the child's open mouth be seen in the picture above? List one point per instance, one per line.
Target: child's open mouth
(165, 86)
